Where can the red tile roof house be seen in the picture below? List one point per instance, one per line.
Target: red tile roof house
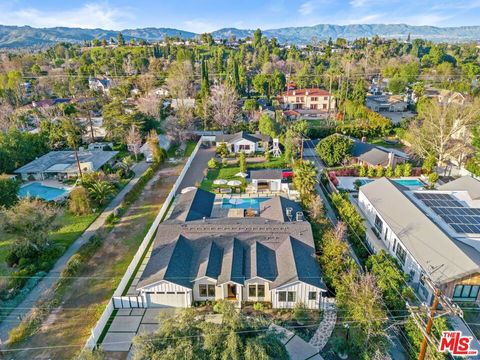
(308, 102)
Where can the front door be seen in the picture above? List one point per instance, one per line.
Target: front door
(231, 291)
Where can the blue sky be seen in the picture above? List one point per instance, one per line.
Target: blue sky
(209, 15)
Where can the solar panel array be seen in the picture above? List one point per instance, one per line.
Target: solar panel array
(460, 218)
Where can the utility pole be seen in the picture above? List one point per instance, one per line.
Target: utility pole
(428, 329)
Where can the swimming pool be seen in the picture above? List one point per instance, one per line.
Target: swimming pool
(41, 191)
(404, 182)
(243, 203)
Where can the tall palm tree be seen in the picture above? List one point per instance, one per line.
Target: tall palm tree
(73, 135)
(305, 177)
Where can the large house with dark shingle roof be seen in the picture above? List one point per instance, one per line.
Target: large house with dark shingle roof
(244, 142)
(197, 257)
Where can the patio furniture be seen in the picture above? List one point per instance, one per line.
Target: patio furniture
(234, 183)
(220, 182)
(225, 191)
(241, 174)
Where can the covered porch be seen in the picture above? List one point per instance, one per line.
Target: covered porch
(232, 291)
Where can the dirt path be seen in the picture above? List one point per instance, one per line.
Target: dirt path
(85, 298)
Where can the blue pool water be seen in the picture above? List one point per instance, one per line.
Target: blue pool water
(38, 190)
(246, 203)
(404, 182)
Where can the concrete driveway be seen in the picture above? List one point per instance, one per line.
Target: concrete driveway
(297, 348)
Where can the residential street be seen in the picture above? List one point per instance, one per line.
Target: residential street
(49, 280)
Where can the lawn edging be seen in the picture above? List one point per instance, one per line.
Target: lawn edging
(98, 330)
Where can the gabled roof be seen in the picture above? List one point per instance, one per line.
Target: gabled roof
(193, 205)
(242, 135)
(425, 241)
(373, 154)
(465, 183)
(275, 209)
(232, 250)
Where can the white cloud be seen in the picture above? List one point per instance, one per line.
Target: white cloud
(309, 7)
(99, 15)
(358, 3)
(367, 19)
(200, 26)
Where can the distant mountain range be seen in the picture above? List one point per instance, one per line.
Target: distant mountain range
(26, 36)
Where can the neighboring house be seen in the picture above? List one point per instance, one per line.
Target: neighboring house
(374, 155)
(445, 96)
(243, 142)
(163, 141)
(430, 232)
(100, 146)
(391, 103)
(307, 100)
(99, 131)
(63, 164)
(102, 84)
(161, 91)
(266, 258)
(46, 103)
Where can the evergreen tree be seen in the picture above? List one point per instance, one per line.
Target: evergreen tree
(120, 39)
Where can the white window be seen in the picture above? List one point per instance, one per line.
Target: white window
(206, 290)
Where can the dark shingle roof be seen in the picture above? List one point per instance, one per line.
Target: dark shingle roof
(233, 249)
(266, 174)
(193, 205)
(275, 209)
(231, 138)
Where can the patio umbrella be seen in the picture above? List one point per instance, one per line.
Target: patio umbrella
(235, 201)
(187, 189)
(219, 182)
(241, 174)
(234, 183)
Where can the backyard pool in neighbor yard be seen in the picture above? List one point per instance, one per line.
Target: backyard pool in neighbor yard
(243, 203)
(405, 182)
(39, 190)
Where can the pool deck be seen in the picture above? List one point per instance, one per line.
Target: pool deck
(348, 182)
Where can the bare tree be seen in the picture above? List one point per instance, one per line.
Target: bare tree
(443, 130)
(180, 85)
(134, 140)
(172, 128)
(6, 112)
(150, 105)
(224, 102)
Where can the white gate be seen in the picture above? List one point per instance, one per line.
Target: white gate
(128, 302)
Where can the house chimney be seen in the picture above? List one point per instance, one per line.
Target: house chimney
(204, 219)
(288, 212)
(299, 216)
(391, 159)
(364, 139)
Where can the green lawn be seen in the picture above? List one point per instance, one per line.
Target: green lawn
(71, 227)
(190, 147)
(228, 173)
(381, 142)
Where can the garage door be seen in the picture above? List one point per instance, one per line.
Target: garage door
(166, 299)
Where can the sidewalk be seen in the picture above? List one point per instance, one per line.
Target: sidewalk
(46, 283)
(297, 348)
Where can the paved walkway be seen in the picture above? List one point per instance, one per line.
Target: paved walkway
(325, 329)
(297, 348)
(46, 283)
